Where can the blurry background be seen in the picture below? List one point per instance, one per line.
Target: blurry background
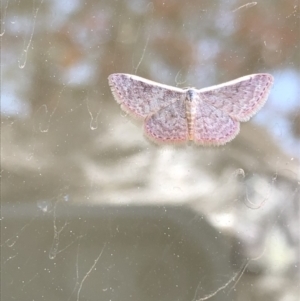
(93, 211)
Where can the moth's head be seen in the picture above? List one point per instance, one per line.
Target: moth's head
(190, 94)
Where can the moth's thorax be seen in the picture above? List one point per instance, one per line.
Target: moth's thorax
(190, 107)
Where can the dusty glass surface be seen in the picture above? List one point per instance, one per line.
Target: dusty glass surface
(91, 210)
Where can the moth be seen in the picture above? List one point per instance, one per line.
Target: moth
(208, 116)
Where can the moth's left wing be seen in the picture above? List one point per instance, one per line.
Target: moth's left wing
(168, 125)
(140, 97)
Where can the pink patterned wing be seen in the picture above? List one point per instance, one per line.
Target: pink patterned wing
(168, 125)
(240, 98)
(161, 107)
(141, 97)
(212, 126)
(218, 110)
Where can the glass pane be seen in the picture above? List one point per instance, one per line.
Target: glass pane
(91, 209)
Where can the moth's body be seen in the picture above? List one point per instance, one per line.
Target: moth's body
(209, 116)
(190, 110)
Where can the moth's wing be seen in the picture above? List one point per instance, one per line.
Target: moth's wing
(168, 125)
(213, 126)
(141, 97)
(240, 98)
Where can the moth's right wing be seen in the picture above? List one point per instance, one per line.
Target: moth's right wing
(240, 98)
(213, 126)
